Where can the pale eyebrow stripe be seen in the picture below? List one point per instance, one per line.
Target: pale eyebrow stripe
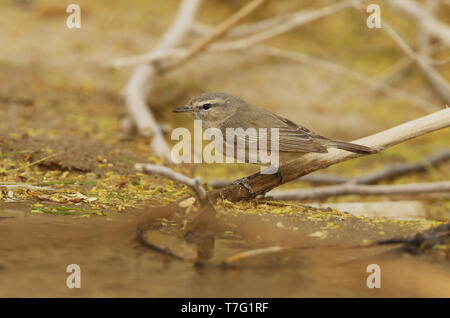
(210, 101)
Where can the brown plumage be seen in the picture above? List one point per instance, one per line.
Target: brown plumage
(225, 111)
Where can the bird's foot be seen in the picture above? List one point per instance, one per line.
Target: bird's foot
(244, 183)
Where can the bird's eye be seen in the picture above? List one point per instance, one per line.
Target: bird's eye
(206, 106)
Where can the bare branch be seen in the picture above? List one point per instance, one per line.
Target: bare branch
(339, 69)
(216, 34)
(398, 71)
(303, 17)
(423, 38)
(297, 20)
(319, 63)
(194, 183)
(399, 210)
(388, 172)
(439, 84)
(394, 74)
(262, 183)
(269, 28)
(140, 83)
(359, 189)
(428, 22)
(198, 228)
(149, 57)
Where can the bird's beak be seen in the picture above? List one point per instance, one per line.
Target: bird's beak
(184, 109)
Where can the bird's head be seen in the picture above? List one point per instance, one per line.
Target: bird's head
(211, 107)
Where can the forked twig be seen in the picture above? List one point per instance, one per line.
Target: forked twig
(194, 183)
(215, 35)
(141, 83)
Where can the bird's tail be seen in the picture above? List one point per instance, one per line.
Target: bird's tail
(352, 147)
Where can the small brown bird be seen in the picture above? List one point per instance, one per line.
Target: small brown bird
(223, 111)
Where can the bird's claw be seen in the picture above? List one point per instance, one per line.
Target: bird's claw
(244, 183)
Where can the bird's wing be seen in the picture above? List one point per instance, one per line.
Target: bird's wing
(291, 137)
(298, 140)
(289, 140)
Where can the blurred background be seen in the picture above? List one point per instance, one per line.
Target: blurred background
(60, 95)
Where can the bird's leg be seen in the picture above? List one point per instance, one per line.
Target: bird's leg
(280, 176)
(245, 184)
(273, 170)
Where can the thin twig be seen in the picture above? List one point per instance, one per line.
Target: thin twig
(215, 35)
(339, 69)
(428, 22)
(267, 29)
(304, 17)
(394, 74)
(439, 84)
(359, 189)
(194, 183)
(262, 25)
(198, 230)
(388, 172)
(297, 20)
(35, 162)
(424, 38)
(319, 63)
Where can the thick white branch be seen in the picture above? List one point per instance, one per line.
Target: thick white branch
(141, 82)
(262, 183)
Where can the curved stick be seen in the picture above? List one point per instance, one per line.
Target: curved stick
(262, 183)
